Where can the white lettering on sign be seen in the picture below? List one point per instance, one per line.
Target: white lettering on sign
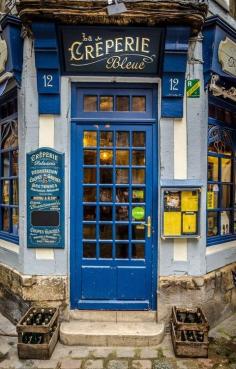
(87, 51)
(227, 56)
(174, 84)
(47, 80)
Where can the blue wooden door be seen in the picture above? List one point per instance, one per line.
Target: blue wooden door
(112, 251)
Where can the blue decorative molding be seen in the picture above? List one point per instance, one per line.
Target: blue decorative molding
(174, 69)
(216, 30)
(11, 33)
(48, 67)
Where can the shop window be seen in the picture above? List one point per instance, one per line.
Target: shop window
(221, 221)
(9, 189)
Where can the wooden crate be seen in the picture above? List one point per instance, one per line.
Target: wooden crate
(41, 351)
(186, 348)
(203, 326)
(49, 333)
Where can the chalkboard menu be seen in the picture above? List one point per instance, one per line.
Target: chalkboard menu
(45, 199)
(111, 50)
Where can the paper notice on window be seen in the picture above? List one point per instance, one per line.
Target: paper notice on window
(189, 200)
(210, 200)
(172, 223)
(189, 223)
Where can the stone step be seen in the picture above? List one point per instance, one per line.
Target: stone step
(113, 316)
(136, 334)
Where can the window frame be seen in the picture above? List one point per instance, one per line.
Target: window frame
(218, 239)
(4, 235)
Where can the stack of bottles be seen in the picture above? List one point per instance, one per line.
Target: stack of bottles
(190, 317)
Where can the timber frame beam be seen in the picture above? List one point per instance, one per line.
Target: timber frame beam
(151, 12)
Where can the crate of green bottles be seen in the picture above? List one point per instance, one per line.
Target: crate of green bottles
(38, 332)
(189, 332)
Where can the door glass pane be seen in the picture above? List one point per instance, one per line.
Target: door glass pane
(106, 175)
(212, 224)
(5, 219)
(89, 250)
(90, 157)
(212, 196)
(138, 195)
(122, 157)
(138, 176)
(106, 157)
(5, 164)
(138, 231)
(213, 168)
(89, 231)
(122, 176)
(89, 194)
(225, 220)
(122, 139)
(89, 212)
(122, 213)
(105, 194)
(106, 103)
(89, 175)
(106, 250)
(90, 103)
(122, 232)
(138, 251)
(5, 192)
(226, 196)
(122, 103)
(226, 170)
(138, 157)
(106, 213)
(90, 139)
(122, 250)
(122, 194)
(106, 139)
(139, 103)
(138, 139)
(106, 231)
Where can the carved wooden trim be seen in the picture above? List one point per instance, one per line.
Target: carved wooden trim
(152, 12)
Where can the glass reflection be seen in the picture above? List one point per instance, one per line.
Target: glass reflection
(90, 157)
(15, 221)
(89, 194)
(106, 103)
(105, 231)
(138, 176)
(138, 158)
(5, 164)
(89, 212)
(212, 224)
(138, 195)
(106, 157)
(106, 250)
(122, 250)
(138, 251)
(106, 139)
(89, 250)
(90, 139)
(122, 194)
(122, 157)
(5, 219)
(122, 103)
(139, 139)
(90, 175)
(106, 175)
(90, 103)
(122, 176)
(89, 231)
(138, 231)
(105, 194)
(15, 192)
(122, 139)
(122, 213)
(5, 192)
(139, 103)
(106, 213)
(122, 232)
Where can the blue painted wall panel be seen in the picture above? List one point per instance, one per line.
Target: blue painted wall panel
(175, 62)
(177, 38)
(172, 107)
(49, 104)
(46, 60)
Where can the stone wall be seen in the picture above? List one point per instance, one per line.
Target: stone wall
(214, 292)
(18, 292)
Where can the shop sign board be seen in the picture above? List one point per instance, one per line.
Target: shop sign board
(227, 56)
(193, 88)
(111, 50)
(45, 199)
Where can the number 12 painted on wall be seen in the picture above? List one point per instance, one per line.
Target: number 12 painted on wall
(48, 81)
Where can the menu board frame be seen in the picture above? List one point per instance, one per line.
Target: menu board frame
(45, 199)
(180, 212)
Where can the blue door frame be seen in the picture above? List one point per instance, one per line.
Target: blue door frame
(114, 279)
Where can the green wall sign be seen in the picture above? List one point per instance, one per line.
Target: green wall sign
(193, 88)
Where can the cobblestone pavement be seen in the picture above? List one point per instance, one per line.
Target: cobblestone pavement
(222, 354)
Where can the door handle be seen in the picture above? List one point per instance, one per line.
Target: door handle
(149, 226)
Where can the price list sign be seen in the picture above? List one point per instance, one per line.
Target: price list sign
(45, 199)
